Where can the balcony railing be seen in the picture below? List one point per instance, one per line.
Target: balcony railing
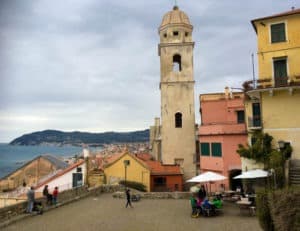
(254, 122)
(270, 83)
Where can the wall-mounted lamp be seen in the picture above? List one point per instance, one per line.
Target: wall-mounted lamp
(281, 144)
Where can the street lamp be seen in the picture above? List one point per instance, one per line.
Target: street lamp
(126, 163)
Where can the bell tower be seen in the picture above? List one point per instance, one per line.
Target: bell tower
(178, 140)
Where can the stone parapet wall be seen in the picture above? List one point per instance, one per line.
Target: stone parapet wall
(9, 213)
(156, 195)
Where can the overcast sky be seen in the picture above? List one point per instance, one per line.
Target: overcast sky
(93, 65)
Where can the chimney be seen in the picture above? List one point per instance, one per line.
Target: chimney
(226, 92)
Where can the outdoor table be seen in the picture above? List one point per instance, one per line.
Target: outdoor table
(244, 205)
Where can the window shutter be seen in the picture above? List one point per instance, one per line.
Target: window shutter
(205, 149)
(216, 149)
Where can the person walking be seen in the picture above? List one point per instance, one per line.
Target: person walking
(128, 197)
(30, 200)
(55, 195)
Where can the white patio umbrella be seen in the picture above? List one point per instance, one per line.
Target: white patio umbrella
(251, 174)
(207, 177)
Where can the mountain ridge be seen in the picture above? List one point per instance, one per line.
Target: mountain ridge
(78, 138)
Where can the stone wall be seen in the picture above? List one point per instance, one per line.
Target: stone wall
(9, 213)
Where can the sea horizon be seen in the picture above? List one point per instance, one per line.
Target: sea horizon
(13, 157)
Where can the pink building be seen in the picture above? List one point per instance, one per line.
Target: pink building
(222, 129)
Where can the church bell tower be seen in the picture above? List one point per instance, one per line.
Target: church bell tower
(178, 140)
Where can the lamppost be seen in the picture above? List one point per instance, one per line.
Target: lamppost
(126, 163)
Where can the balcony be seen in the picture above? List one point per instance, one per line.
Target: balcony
(254, 123)
(267, 83)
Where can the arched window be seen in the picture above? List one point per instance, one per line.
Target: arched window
(178, 120)
(176, 63)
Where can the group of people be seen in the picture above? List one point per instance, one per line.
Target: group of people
(201, 205)
(37, 206)
(51, 198)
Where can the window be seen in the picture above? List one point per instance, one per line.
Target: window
(278, 33)
(186, 34)
(178, 120)
(216, 149)
(256, 115)
(204, 149)
(165, 35)
(175, 33)
(176, 63)
(280, 72)
(240, 117)
(160, 181)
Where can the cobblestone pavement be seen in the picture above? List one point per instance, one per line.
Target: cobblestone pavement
(109, 214)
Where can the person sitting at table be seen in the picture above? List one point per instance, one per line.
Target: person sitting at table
(217, 202)
(207, 208)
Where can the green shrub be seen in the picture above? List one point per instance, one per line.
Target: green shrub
(133, 184)
(263, 210)
(285, 209)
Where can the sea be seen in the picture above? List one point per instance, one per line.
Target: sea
(14, 156)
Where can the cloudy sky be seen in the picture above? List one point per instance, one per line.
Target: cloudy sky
(92, 65)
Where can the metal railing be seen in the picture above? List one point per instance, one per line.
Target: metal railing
(254, 122)
(277, 82)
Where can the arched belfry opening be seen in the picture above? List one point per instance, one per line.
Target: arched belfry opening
(178, 120)
(176, 63)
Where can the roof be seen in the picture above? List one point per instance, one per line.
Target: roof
(55, 161)
(283, 14)
(59, 164)
(114, 158)
(60, 173)
(146, 160)
(175, 17)
(158, 168)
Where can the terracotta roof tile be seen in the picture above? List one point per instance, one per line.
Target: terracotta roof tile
(158, 168)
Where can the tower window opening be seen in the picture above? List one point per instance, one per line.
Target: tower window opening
(175, 33)
(186, 34)
(176, 63)
(165, 35)
(178, 120)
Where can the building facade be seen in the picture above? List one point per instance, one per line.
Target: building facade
(272, 105)
(176, 140)
(222, 129)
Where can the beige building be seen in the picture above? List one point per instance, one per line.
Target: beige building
(174, 140)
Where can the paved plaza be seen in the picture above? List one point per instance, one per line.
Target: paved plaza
(109, 214)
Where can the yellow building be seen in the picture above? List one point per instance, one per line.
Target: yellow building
(127, 166)
(273, 105)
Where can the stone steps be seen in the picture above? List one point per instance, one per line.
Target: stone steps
(294, 172)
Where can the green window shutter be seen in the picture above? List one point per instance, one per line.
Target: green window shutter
(216, 149)
(240, 117)
(204, 149)
(278, 33)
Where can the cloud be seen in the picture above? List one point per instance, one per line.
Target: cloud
(93, 65)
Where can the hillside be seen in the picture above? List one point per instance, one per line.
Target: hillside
(77, 138)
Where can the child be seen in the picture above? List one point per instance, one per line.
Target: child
(54, 195)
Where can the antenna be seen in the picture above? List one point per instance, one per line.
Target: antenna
(176, 3)
(253, 73)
